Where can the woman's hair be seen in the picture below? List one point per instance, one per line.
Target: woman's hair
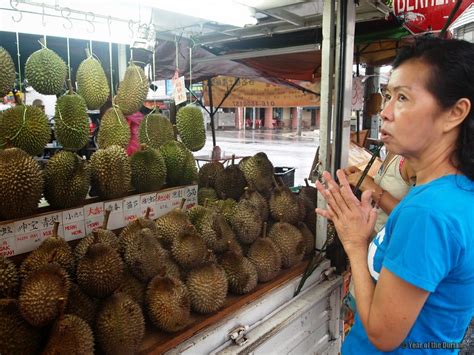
(451, 78)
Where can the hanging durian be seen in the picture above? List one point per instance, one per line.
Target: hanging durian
(132, 90)
(7, 72)
(148, 169)
(191, 129)
(155, 130)
(113, 130)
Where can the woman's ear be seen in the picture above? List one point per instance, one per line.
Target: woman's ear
(457, 113)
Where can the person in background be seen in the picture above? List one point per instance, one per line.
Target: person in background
(414, 285)
(392, 182)
(38, 103)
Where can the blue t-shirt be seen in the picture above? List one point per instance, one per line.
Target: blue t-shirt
(428, 241)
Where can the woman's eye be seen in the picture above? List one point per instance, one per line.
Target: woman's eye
(402, 97)
(386, 97)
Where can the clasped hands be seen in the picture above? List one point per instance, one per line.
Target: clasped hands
(354, 220)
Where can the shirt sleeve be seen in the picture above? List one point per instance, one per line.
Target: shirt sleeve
(422, 248)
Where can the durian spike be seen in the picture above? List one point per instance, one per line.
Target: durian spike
(69, 86)
(306, 182)
(264, 232)
(147, 214)
(233, 159)
(181, 205)
(108, 211)
(55, 230)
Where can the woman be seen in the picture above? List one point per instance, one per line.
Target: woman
(388, 187)
(414, 285)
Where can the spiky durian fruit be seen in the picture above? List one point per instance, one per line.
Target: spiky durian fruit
(241, 273)
(113, 130)
(7, 72)
(258, 201)
(70, 335)
(207, 286)
(310, 200)
(92, 84)
(46, 71)
(148, 169)
(42, 294)
(215, 231)
(207, 193)
(172, 224)
(16, 335)
(120, 325)
(132, 90)
(143, 254)
(197, 213)
(290, 242)
(104, 236)
(231, 183)
(110, 172)
(190, 125)
(168, 303)
(71, 121)
(246, 222)
(100, 271)
(258, 171)
(155, 130)
(226, 207)
(9, 280)
(266, 257)
(25, 127)
(135, 226)
(188, 249)
(209, 172)
(67, 180)
(286, 206)
(53, 250)
(180, 164)
(133, 287)
(81, 305)
(308, 237)
(170, 267)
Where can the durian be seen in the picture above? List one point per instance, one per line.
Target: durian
(258, 201)
(25, 127)
(266, 257)
(172, 224)
(70, 335)
(99, 272)
(92, 84)
(9, 280)
(46, 72)
(246, 223)
(258, 171)
(16, 335)
(7, 72)
(207, 286)
(132, 90)
(67, 180)
(133, 287)
(188, 249)
(208, 174)
(120, 325)
(286, 206)
(231, 183)
(155, 130)
(180, 164)
(168, 303)
(41, 293)
(290, 242)
(148, 169)
(110, 172)
(113, 130)
(71, 121)
(241, 273)
(81, 305)
(21, 183)
(207, 193)
(308, 237)
(190, 125)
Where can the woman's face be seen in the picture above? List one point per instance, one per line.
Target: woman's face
(411, 121)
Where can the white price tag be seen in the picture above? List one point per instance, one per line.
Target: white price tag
(7, 240)
(149, 201)
(131, 209)
(164, 203)
(94, 216)
(116, 216)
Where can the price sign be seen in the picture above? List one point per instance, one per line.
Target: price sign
(74, 226)
(179, 88)
(131, 209)
(116, 214)
(191, 196)
(94, 216)
(7, 240)
(149, 200)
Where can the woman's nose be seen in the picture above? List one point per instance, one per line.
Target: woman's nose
(387, 110)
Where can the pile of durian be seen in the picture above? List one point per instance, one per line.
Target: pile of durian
(103, 293)
(68, 179)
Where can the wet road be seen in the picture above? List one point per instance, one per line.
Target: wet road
(282, 147)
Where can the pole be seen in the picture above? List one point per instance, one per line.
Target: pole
(212, 112)
(299, 120)
(254, 117)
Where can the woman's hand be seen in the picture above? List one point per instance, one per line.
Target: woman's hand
(354, 220)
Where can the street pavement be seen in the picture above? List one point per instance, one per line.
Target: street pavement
(283, 147)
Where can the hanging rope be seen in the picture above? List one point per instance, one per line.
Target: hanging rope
(45, 41)
(90, 46)
(19, 62)
(110, 61)
(66, 125)
(176, 43)
(153, 76)
(117, 115)
(68, 58)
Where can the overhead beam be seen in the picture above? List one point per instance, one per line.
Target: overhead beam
(262, 53)
(286, 16)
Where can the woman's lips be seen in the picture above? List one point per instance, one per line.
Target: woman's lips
(384, 134)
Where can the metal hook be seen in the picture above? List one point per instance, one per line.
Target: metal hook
(131, 23)
(66, 13)
(91, 21)
(109, 23)
(43, 15)
(14, 6)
